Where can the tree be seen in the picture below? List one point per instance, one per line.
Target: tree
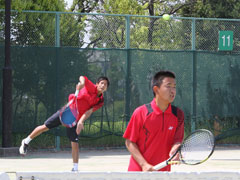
(37, 5)
(85, 6)
(211, 9)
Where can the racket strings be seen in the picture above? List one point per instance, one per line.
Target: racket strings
(197, 148)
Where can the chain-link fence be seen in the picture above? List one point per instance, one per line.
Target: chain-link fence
(51, 49)
(54, 29)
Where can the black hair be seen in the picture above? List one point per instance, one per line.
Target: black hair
(103, 78)
(159, 76)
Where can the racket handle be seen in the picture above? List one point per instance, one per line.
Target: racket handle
(160, 165)
(76, 92)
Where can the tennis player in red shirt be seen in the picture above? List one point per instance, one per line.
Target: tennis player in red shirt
(89, 99)
(155, 130)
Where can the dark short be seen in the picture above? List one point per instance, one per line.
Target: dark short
(54, 121)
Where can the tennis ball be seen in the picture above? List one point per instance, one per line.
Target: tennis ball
(166, 17)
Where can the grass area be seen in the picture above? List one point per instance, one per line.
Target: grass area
(97, 134)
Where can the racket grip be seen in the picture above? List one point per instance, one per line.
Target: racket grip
(76, 92)
(160, 165)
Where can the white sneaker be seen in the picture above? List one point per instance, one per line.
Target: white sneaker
(23, 148)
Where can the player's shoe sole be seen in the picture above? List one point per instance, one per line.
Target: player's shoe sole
(23, 148)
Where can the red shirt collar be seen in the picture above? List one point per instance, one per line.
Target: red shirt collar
(101, 97)
(157, 110)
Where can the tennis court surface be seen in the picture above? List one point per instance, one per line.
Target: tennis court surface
(224, 163)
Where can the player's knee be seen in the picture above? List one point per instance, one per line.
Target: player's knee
(43, 128)
(74, 144)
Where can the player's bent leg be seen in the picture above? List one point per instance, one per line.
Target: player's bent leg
(50, 123)
(37, 131)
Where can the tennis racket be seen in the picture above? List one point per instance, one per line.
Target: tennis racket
(69, 113)
(195, 149)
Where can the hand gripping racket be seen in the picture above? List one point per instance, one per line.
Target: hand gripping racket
(69, 113)
(195, 149)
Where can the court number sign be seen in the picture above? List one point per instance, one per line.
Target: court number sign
(225, 41)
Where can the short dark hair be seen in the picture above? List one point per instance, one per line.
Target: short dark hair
(159, 76)
(103, 78)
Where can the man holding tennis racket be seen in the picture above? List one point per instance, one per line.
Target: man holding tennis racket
(89, 98)
(155, 130)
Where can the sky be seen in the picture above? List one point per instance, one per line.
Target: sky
(69, 3)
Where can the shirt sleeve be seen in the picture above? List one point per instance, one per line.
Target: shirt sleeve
(133, 129)
(179, 134)
(89, 85)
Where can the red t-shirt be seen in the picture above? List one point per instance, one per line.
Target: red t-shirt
(154, 133)
(87, 98)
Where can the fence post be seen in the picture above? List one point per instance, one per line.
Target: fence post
(57, 46)
(128, 71)
(7, 83)
(194, 78)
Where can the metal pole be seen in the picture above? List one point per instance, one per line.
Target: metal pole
(7, 84)
(194, 77)
(57, 45)
(57, 30)
(128, 73)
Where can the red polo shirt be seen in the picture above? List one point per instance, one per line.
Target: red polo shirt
(88, 98)
(154, 133)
